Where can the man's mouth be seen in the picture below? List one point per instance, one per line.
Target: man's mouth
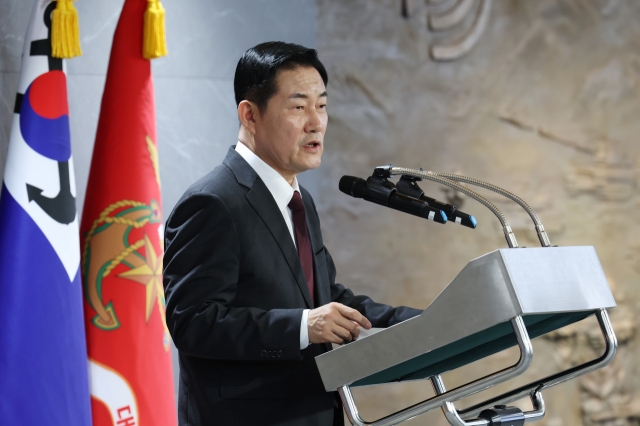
(313, 144)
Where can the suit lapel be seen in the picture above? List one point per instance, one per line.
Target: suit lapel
(265, 206)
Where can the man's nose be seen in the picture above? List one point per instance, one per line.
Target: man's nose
(314, 123)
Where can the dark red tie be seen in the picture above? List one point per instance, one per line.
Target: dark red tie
(302, 239)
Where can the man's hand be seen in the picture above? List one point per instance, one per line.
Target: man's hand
(335, 323)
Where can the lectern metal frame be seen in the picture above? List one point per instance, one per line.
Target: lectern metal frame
(445, 399)
(611, 346)
(453, 416)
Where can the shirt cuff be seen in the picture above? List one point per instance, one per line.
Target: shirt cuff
(304, 330)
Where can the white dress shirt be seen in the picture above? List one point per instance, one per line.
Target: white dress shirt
(282, 193)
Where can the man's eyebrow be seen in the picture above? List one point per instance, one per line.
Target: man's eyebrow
(299, 95)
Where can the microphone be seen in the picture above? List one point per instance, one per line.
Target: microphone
(385, 193)
(407, 185)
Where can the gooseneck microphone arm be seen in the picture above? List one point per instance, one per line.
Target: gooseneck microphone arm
(542, 234)
(506, 228)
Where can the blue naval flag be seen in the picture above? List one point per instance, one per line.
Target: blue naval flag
(43, 355)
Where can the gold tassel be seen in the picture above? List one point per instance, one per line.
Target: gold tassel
(154, 44)
(65, 30)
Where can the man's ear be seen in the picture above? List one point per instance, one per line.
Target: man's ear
(248, 113)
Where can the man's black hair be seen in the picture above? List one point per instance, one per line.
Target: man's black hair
(255, 78)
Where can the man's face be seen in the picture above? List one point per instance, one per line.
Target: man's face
(289, 134)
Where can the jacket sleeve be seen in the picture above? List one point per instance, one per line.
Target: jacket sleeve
(201, 271)
(380, 315)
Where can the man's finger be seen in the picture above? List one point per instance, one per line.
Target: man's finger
(342, 333)
(355, 333)
(352, 327)
(342, 341)
(345, 322)
(354, 315)
(333, 338)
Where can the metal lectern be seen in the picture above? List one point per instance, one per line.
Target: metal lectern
(499, 300)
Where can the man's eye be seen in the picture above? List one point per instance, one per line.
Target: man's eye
(323, 106)
(300, 107)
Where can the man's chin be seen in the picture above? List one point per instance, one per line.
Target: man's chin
(315, 165)
(309, 165)
(310, 160)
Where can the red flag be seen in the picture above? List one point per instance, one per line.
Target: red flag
(128, 342)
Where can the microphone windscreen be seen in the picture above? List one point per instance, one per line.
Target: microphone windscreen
(352, 185)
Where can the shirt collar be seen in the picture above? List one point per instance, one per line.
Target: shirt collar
(279, 188)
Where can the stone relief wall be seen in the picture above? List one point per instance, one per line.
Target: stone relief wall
(544, 100)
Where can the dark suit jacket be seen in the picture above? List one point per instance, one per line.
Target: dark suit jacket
(235, 292)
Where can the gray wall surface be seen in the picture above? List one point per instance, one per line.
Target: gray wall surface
(195, 106)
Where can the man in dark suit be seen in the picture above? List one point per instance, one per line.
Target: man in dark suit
(250, 287)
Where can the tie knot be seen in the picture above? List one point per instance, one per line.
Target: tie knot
(296, 202)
